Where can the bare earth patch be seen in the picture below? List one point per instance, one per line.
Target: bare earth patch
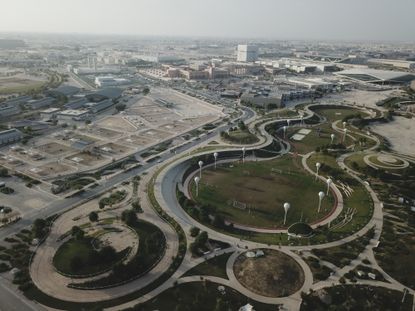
(273, 275)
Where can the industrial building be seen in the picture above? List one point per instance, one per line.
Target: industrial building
(39, 103)
(394, 63)
(377, 76)
(7, 111)
(10, 136)
(247, 53)
(107, 81)
(72, 115)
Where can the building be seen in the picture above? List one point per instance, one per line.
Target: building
(72, 115)
(107, 81)
(112, 93)
(394, 63)
(266, 101)
(76, 103)
(49, 114)
(64, 91)
(218, 73)
(39, 103)
(377, 76)
(99, 106)
(7, 111)
(10, 136)
(247, 53)
(413, 85)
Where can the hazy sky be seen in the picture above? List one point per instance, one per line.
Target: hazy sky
(280, 19)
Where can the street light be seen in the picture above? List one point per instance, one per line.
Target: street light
(318, 165)
(197, 179)
(200, 168)
(215, 155)
(243, 154)
(344, 136)
(320, 198)
(344, 124)
(286, 208)
(329, 182)
(284, 128)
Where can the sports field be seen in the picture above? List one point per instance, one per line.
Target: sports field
(254, 193)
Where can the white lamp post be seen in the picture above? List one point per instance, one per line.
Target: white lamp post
(286, 208)
(318, 165)
(200, 168)
(332, 138)
(320, 198)
(329, 182)
(344, 136)
(344, 124)
(284, 128)
(215, 155)
(197, 179)
(243, 154)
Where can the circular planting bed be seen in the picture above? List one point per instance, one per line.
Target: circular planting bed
(79, 258)
(268, 273)
(253, 194)
(385, 161)
(301, 230)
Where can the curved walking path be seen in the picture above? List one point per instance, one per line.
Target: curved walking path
(54, 284)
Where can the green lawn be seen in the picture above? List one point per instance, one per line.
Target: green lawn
(213, 267)
(201, 296)
(358, 298)
(83, 250)
(241, 137)
(336, 113)
(264, 187)
(359, 200)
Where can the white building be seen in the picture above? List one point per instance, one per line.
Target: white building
(107, 81)
(247, 53)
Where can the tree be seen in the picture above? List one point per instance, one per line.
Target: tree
(129, 217)
(201, 239)
(194, 231)
(39, 227)
(120, 107)
(4, 172)
(77, 233)
(101, 203)
(242, 125)
(146, 90)
(93, 216)
(218, 221)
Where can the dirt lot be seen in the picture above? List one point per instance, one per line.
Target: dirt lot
(116, 149)
(55, 148)
(102, 132)
(52, 169)
(117, 123)
(273, 275)
(136, 141)
(86, 158)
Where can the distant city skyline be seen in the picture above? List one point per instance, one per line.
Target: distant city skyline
(373, 20)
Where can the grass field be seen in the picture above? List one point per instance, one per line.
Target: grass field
(201, 296)
(83, 250)
(335, 113)
(213, 267)
(264, 187)
(358, 298)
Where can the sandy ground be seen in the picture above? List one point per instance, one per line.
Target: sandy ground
(400, 134)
